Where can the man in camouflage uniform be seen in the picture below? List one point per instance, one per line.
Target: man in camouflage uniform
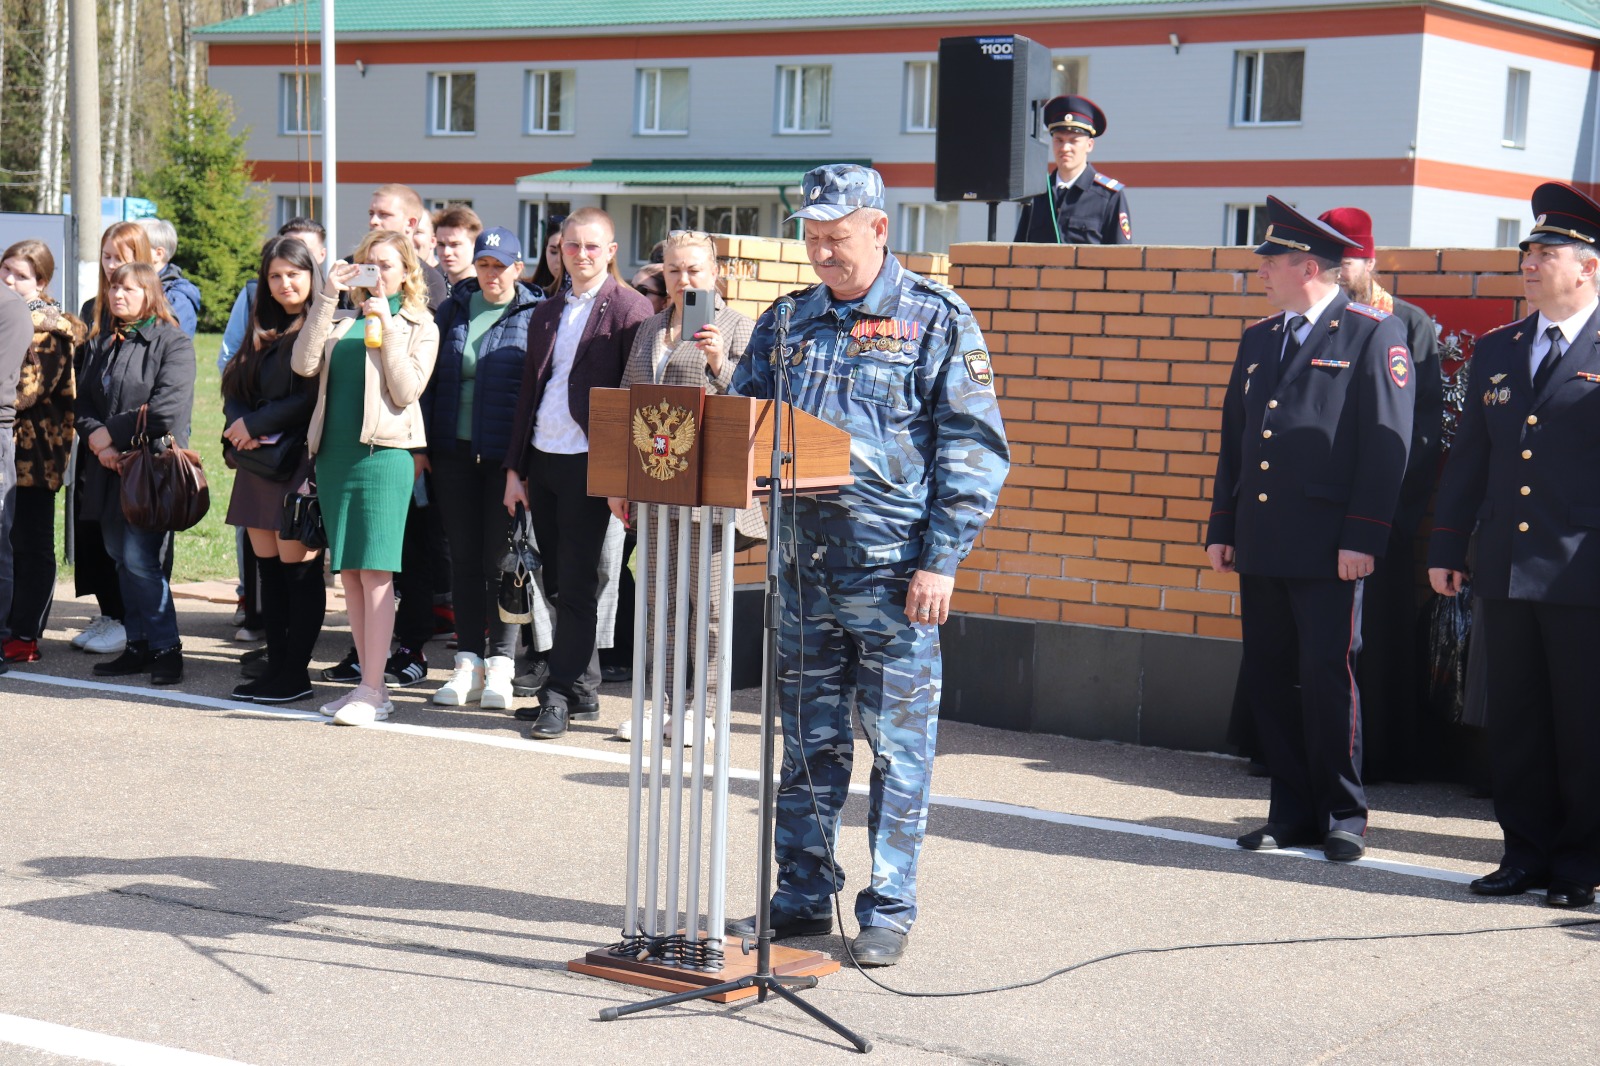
(896, 361)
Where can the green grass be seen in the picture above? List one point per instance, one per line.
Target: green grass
(206, 551)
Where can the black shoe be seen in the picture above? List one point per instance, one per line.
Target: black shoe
(135, 659)
(584, 711)
(405, 667)
(347, 669)
(877, 946)
(1507, 881)
(282, 687)
(1339, 846)
(246, 690)
(1564, 893)
(1271, 837)
(166, 665)
(551, 723)
(253, 665)
(530, 683)
(611, 674)
(784, 926)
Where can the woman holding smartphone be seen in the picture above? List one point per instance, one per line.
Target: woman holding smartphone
(696, 341)
(370, 373)
(267, 408)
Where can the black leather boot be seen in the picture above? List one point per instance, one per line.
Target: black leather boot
(274, 619)
(135, 659)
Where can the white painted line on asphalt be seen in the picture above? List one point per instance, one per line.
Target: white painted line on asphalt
(97, 1047)
(620, 758)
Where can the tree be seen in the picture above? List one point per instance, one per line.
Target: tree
(203, 187)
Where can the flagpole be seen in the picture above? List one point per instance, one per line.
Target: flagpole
(330, 156)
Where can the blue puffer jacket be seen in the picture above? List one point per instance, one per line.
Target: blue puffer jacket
(501, 357)
(183, 296)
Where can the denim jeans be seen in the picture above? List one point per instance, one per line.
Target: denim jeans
(147, 597)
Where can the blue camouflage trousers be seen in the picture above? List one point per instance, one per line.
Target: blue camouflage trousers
(845, 630)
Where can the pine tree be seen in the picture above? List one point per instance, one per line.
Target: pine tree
(203, 187)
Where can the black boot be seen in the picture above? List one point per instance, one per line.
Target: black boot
(274, 619)
(306, 606)
(135, 659)
(166, 665)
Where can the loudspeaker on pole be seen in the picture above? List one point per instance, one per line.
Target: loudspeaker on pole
(991, 143)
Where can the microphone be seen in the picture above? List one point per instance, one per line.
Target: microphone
(783, 309)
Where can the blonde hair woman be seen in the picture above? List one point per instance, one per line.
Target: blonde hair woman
(371, 366)
(661, 355)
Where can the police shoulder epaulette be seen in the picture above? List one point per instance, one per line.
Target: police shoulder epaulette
(1111, 183)
(1499, 329)
(943, 291)
(1370, 312)
(1264, 321)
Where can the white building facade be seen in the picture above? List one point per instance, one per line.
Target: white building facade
(1437, 117)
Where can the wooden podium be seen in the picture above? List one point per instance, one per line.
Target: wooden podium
(669, 449)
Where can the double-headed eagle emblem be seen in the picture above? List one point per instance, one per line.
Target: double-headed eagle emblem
(664, 434)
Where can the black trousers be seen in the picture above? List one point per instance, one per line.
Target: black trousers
(471, 502)
(570, 526)
(1544, 734)
(1302, 637)
(1391, 711)
(33, 559)
(424, 571)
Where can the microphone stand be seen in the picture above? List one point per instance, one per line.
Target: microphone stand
(764, 981)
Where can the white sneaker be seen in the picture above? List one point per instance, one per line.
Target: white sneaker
(496, 692)
(465, 685)
(363, 709)
(332, 707)
(111, 639)
(90, 630)
(244, 635)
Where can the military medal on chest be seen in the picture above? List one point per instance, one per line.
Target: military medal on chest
(883, 335)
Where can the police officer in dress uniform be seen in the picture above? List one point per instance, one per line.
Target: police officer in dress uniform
(1316, 425)
(1525, 472)
(897, 361)
(1081, 205)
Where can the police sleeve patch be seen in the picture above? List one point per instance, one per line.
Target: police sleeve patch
(1370, 312)
(1111, 183)
(979, 369)
(1127, 228)
(1399, 365)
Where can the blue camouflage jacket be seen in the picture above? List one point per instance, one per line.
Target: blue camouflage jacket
(906, 373)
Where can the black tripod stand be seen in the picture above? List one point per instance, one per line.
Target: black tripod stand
(764, 981)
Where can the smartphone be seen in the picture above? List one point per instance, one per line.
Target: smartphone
(699, 310)
(366, 276)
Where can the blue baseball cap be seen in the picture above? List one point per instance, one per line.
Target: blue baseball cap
(835, 190)
(499, 244)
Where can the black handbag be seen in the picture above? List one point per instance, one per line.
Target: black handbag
(276, 461)
(517, 569)
(302, 517)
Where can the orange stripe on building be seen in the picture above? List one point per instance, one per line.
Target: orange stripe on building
(409, 173)
(1519, 40)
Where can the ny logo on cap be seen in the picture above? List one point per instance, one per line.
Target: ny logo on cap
(492, 240)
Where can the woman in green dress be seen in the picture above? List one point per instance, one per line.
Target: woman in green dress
(372, 365)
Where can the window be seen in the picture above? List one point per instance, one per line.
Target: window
(1516, 135)
(454, 106)
(300, 102)
(1068, 74)
(803, 105)
(922, 97)
(1507, 232)
(439, 205)
(652, 222)
(664, 100)
(1267, 87)
(925, 228)
(550, 101)
(539, 219)
(298, 207)
(1246, 224)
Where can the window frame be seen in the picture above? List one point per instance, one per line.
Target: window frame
(1058, 84)
(1518, 90)
(567, 112)
(436, 78)
(290, 206)
(1257, 219)
(1249, 95)
(1508, 232)
(288, 81)
(926, 71)
(795, 74)
(647, 74)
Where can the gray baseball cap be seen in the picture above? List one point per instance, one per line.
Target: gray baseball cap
(834, 190)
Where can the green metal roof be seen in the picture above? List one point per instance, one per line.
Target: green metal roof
(655, 173)
(476, 16)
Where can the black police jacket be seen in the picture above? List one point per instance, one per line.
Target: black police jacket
(1093, 211)
(1313, 452)
(1523, 471)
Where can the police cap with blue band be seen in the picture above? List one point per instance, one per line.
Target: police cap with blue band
(835, 190)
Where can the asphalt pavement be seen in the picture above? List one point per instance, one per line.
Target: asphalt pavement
(187, 879)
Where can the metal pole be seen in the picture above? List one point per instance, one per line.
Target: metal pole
(680, 627)
(86, 132)
(657, 720)
(716, 895)
(641, 615)
(697, 786)
(330, 153)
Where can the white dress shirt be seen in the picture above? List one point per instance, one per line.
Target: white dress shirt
(554, 430)
(1569, 333)
(1312, 314)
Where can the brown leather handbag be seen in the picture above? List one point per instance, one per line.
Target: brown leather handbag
(163, 487)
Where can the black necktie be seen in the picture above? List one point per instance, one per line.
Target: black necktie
(1548, 365)
(1292, 344)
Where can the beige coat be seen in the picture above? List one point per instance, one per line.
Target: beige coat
(396, 373)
